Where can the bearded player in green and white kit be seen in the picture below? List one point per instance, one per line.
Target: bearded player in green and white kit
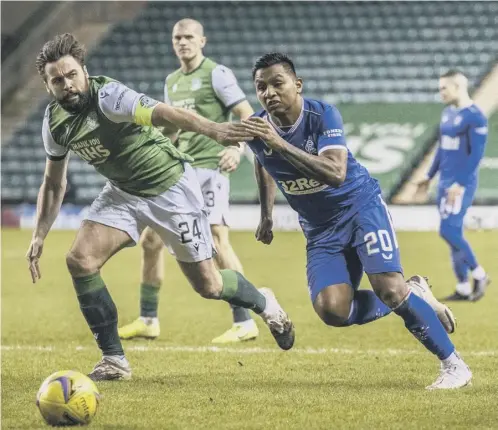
(150, 183)
(212, 91)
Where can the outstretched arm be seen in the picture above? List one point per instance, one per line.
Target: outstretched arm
(163, 115)
(122, 104)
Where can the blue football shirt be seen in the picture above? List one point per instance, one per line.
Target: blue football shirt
(463, 133)
(318, 128)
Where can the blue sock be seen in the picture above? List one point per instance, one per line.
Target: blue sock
(454, 236)
(366, 307)
(468, 255)
(460, 267)
(424, 324)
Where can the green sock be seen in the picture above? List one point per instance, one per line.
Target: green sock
(238, 291)
(149, 300)
(100, 312)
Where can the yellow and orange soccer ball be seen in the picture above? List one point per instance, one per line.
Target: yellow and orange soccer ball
(68, 398)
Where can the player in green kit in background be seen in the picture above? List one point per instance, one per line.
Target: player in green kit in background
(212, 91)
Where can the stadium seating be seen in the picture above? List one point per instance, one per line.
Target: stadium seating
(346, 52)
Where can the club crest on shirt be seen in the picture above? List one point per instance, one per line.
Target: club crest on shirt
(92, 122)
(457, 120)
(309, 146)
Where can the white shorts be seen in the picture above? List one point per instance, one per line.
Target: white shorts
(216, 192)
(178, 216)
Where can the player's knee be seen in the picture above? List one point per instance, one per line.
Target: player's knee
(209, 288)
(210, 292)
(449, 233)
(331, 318)
(443, 231)
(390, 287)
(80, 264)
(151, 242)
(333, 304)
(205, 279)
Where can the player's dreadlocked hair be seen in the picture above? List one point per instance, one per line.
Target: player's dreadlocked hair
(60, 46)
(271, 59)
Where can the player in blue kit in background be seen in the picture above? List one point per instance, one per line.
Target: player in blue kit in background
(463, 131)
(300, 143)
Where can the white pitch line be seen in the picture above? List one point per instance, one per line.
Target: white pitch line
(255, 350)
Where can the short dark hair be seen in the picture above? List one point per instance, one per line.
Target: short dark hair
(60, 46)
(452, 73)
(272, 58)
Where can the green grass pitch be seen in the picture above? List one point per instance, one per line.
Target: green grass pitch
(367, 377)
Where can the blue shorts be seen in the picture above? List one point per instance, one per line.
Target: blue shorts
(364, 242)
(454, 215)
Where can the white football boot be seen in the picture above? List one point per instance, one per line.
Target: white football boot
(419, 286)
(479, 288)
(110, 368)
(454, 374)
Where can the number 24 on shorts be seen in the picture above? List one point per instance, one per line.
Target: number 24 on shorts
(380, 240)
(188, 234)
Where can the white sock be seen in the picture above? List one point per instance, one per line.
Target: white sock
(478, 273)
(150, 320)
(464, 288)
(118, 357)
(270, 308)
(452, 359)
(248, 324)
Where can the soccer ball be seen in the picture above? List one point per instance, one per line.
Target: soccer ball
(68, 398)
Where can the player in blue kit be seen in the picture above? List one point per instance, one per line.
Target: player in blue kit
(463, 132)
(300, 143)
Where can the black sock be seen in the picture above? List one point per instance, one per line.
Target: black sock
(240, 314)
(100, 312)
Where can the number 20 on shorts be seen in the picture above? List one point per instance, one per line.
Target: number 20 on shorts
(380, 241)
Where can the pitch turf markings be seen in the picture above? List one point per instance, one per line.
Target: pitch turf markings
(255, 350)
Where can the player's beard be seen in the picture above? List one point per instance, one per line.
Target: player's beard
(76, 105)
